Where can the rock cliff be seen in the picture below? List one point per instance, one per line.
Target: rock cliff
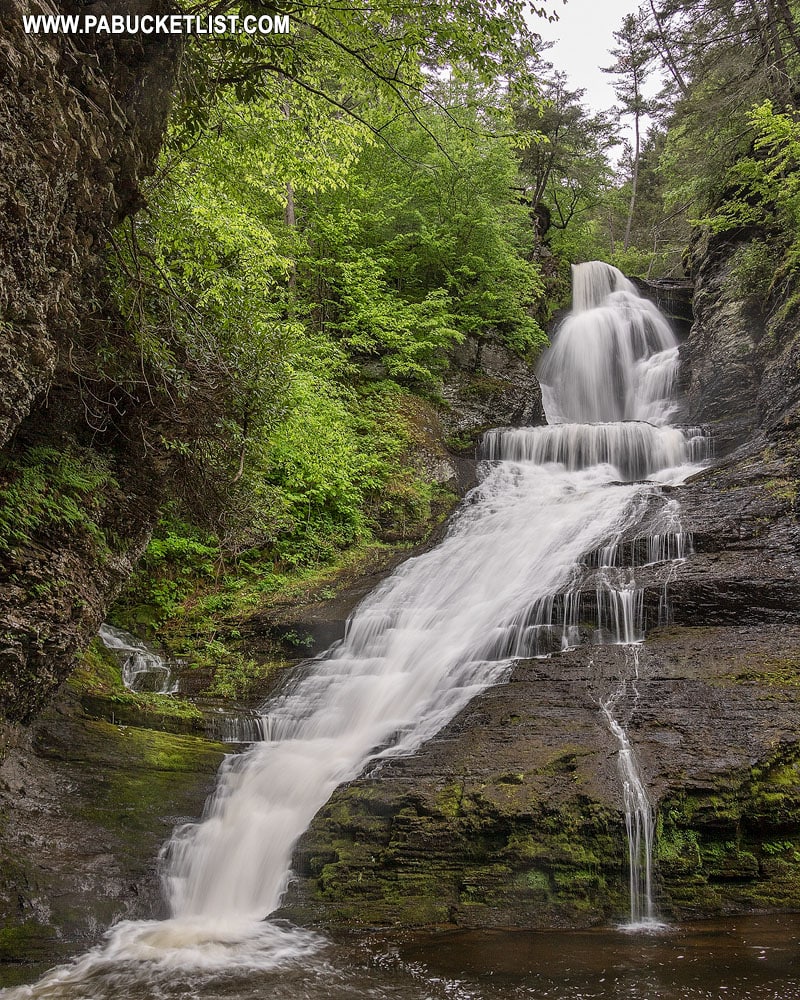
(81, 122)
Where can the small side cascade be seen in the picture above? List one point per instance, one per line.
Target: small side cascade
(700, 443)
(639, 814)
(143, 669)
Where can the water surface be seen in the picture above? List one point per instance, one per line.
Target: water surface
(746, 958)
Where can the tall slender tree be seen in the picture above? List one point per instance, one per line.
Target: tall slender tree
(633, 55)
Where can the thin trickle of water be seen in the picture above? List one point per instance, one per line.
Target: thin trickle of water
(639, 811)
(241, 726)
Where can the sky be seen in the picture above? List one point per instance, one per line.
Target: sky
(583, 36)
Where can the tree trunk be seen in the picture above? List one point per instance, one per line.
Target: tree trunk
(634, 179)
(779, 58)
(789, 22)
(666, 53)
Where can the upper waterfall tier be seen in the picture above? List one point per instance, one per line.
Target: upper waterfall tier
(613, 358)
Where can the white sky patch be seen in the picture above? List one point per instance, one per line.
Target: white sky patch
(583, 35)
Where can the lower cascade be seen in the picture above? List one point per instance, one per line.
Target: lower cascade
(540, 557)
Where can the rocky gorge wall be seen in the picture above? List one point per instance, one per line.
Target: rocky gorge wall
(81, 123)
(81, 120)
(513, 815)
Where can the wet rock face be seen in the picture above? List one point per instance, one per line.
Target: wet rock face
(739, 366)
(85, 806)
(81, 120)
(675, 299)
(508, 818)
(719, 360)
(487, 385)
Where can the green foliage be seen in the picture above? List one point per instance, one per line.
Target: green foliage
(702, 158)
(565, 159)
(721, 57)
(48, 490)
(633, 261)
(177, 560)
(354, 56)
(314, 463)
(753, 269)
(330, 217)
(288, 264)
(427, 243)
(764, 187)
(777, 847)
(234, 676)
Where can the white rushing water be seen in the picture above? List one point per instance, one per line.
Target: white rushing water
(639, 811)
(552, 501)
(615, 356)
(143, 669)
(415, 652)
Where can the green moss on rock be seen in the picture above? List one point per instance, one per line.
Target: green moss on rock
(738, 847)
(97, 683)
(487, 856)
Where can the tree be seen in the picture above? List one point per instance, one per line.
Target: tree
(565, 167)
(633, 56)
(351, 54)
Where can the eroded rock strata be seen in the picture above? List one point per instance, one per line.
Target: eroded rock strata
(81, 123)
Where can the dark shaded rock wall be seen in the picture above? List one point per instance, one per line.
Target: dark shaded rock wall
(720, 361)
(740, 363)
(81, 122)
(488, 385)
(675, 299)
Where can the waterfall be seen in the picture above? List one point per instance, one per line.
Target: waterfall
(142, 667)
(614, 357)
(561, 513)
(638, 825)
(414, 653)
(448, 623)
(639, 812)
